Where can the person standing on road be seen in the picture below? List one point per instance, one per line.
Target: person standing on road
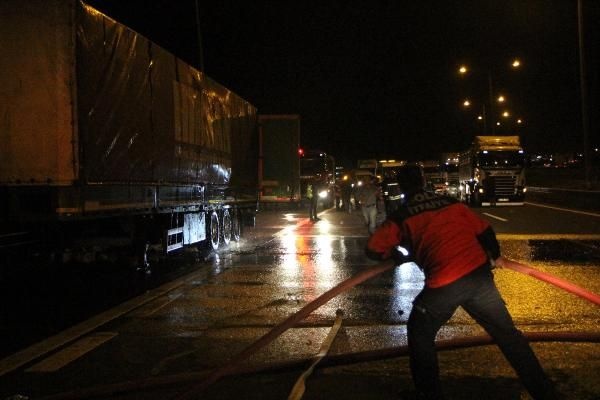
(346, 195)
(337, 192)
(456, 249)
(312, 193)
(367, 195)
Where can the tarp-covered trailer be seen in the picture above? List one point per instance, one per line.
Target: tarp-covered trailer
(103, 130)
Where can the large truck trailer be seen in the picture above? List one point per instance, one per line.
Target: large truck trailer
(105, 134)
(492, 171)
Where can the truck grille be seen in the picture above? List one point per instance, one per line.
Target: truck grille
(504, 185)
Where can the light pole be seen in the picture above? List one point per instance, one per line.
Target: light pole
(481, 117)
(584, 98)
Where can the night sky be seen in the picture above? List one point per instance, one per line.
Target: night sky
(378, 79)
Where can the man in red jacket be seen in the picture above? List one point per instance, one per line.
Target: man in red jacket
(456, 250)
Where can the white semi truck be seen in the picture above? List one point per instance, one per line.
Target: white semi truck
(492, 172)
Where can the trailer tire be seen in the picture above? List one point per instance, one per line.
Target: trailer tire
(236, 225)
(142, 258)
(226, 227)
(214, 230)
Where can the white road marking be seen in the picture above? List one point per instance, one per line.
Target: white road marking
(39, 349)
(496, 217)
(72, 353)
(162, 304)
(592, 214)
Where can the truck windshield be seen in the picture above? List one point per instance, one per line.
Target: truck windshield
(501, 159)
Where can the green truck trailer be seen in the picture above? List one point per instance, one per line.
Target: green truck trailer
(279, 160)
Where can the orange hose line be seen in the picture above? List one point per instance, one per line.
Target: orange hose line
(285, 325)
(554, 280)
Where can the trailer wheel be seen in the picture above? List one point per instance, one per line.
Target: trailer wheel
(213, 230)
(143, 259)
(226, 227)
(236, 225)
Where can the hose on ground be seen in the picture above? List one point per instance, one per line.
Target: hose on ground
(554, 280)
(327, 361)
(232, 367)
(286, 324)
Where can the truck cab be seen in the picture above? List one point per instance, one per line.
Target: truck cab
(492, 172)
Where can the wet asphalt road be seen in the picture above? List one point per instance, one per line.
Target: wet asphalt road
(216, 308)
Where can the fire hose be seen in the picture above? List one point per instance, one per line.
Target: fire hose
(286, 324)
(342, 287)
(561, 283)
(232, 368)
(299, 387)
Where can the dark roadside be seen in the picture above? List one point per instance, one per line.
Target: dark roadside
(564, 187)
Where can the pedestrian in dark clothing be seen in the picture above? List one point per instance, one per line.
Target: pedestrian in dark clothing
(337, 192)
(456, 250)
(346, 196)
(312, 193)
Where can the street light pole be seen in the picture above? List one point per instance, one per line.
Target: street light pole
(485, 121)
(491, 90)
(583, 84)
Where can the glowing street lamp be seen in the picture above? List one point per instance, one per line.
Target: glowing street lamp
(464, 69)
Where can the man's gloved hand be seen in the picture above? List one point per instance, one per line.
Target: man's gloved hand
(400, 255)
(499, 262)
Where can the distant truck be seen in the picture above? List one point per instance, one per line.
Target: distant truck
(449, 167)
(279, 161)
(106, 135)
(492, 172)
(434, 176)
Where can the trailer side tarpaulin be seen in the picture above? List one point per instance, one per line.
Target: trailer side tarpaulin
(84, 98)
(37, 132)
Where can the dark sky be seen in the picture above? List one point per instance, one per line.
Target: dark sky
(377, 79)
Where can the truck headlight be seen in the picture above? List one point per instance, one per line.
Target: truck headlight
(323, 194)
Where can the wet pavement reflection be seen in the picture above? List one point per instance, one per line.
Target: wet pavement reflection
(238, 294)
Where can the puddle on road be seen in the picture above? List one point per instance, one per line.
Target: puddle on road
(567, 250)
(571, 251)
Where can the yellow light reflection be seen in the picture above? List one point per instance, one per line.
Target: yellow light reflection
(308, 261)
(290, 217)
(324, 266)
(290, 263)
(324, 226)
